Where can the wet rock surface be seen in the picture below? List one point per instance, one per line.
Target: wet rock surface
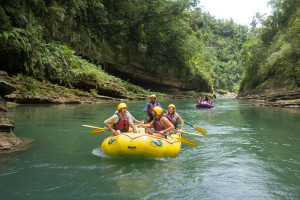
(8, 140)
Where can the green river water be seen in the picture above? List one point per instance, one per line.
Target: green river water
(249, 153)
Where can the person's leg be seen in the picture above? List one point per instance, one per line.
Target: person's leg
(149, 132)
(147, 119)
(157, 134)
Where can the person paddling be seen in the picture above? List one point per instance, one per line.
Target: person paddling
(210, 101)
(173, 117)
(120, 121)
(160, 123)
(149, 107)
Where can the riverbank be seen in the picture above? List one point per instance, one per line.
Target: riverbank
(32, 91)
(280, 99)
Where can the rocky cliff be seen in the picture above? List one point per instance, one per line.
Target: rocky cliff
(143, 76)
(8, 140)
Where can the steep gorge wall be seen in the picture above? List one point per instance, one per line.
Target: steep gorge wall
(128, 64)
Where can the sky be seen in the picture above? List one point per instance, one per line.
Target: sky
(241, 11)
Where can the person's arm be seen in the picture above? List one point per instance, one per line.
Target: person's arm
(132, 117)
(166, 123)
(130, 121)
(182, 124)
(149, 125)
(112, 120)
(146, 107)
(158, 104)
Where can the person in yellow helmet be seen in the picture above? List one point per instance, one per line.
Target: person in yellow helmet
(160, 123)
(120, 121)
(174, 117)
(149, 107)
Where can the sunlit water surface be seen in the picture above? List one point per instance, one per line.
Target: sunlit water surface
(249, 153)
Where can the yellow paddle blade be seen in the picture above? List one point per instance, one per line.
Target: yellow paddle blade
(90, 126)
(192, 133)
(97, 131)
(201, 130)
(186, 141)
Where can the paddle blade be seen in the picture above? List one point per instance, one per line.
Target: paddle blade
(201, 130)
(188, 142)
(97, 131)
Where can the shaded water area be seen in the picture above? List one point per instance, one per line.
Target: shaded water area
(249, 153)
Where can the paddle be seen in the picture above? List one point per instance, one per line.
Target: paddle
(183, 140)
(137, 114)
(201, 130)
(192, 133)
(90, 126)
(97, 130)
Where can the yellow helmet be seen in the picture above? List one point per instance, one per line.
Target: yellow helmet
(152, 95)
(121, 105)
(172, 105)
(158, 110)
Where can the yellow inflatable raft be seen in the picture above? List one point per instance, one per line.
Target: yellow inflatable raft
(141, 144)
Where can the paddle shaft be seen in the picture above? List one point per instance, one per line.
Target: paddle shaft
(91, 126)
(188, 123)
(192, 133)
(185, 141)
(97, 127)
(137, 114)
(195, 127)
(182, 120)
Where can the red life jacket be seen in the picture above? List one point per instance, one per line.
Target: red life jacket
(150, 109)
(157, 125)
(172, 120)
(122, 124)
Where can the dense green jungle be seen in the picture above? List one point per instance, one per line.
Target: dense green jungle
(140, 46)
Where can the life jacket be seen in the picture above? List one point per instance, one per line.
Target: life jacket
(122, 124)
(150, 109)
(157, 125)
(172, 119)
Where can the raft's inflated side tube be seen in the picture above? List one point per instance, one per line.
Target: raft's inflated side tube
(205, 105)
(141, 145)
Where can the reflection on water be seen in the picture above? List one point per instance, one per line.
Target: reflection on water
(249, 153)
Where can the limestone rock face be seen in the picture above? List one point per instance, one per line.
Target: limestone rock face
(8, 140)
(280, 99)
(162, 82)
